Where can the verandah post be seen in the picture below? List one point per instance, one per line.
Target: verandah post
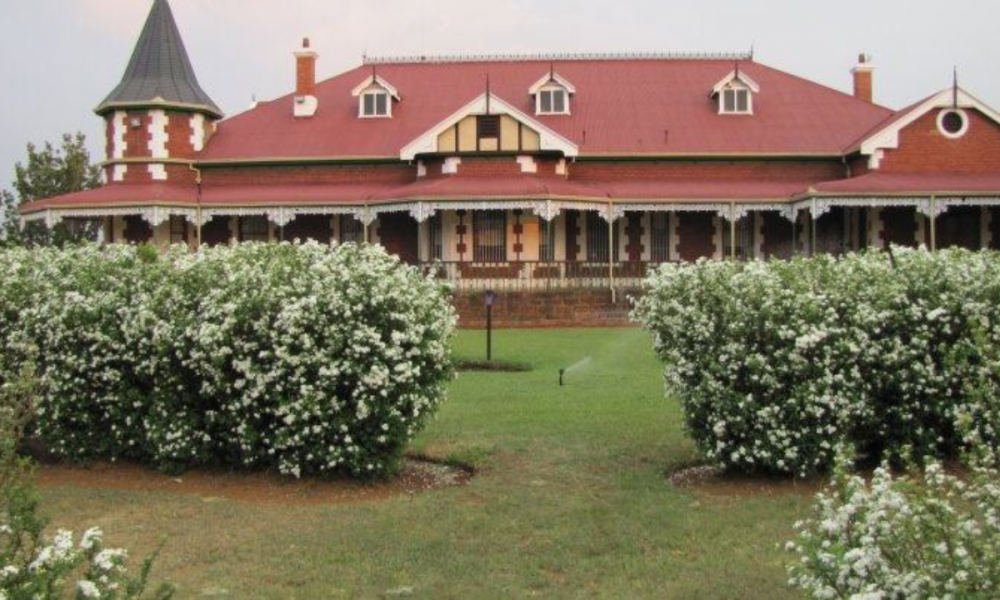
(611, 249)
(732, 230)
(933, 223)
(364, 225)
(812, 228)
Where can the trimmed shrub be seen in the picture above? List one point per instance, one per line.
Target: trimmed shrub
(298, 357)
(775, 363)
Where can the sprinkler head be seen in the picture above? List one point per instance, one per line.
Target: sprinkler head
(562, 373)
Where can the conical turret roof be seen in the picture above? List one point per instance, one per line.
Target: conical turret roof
(160, 72)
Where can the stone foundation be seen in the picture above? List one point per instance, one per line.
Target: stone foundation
(537, 309)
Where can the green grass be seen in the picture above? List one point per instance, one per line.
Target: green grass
(570, 499)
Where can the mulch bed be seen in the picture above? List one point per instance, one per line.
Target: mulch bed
(714, 481)
(418, 475)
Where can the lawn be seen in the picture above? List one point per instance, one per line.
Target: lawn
(570, 499)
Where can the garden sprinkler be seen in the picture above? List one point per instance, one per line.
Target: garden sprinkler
(562, 373)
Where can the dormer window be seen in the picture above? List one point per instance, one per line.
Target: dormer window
(375, 104)
(375, 98)
(553, 101)
(736, 102)
(735, 93)
(552, 94)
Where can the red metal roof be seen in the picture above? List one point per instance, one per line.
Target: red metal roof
(877, 183)
(623, 106)
(120, 194)
(456, 187)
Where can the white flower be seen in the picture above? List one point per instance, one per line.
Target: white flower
(88, 589)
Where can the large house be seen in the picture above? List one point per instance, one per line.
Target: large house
(540, 169)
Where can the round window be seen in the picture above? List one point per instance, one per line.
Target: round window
(953, 123)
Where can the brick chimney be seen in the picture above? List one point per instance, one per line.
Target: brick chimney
(863, 86)
(306, 102)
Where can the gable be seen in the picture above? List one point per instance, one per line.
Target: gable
(922, 147)
(514, 136)
(517, 132)
(886, 137)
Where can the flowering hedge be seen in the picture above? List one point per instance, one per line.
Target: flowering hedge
(300, 357)
(937, 536)
(777, 362)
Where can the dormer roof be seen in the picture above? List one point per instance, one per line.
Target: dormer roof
(376, 80)
(736, 76)
(160, 72)
(552, 78)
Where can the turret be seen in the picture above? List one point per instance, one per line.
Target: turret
(158, 118)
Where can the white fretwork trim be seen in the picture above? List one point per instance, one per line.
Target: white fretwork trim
(154, 215)
(817, 207)
(283, 215)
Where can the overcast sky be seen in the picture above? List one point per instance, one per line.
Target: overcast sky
(59, 58)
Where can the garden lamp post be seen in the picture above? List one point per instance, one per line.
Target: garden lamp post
(491, 297)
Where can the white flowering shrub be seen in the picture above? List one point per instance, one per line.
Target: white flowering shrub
(937, 536)
(775, 363)
(32, 566)
(298, 357)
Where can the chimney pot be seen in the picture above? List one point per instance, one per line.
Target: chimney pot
(305, 42)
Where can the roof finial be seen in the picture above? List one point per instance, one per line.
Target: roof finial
(954, 88)
(752, 44)
(488, 93)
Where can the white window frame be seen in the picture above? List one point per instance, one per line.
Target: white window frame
(375, 93)
(735, 90)
(550, 90)
(965, 123)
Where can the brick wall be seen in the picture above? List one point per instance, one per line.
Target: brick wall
(922, 148)
(179, 132)
(561, 308)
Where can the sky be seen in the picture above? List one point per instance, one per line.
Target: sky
(59, 58)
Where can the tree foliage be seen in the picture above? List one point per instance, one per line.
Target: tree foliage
(49, 171)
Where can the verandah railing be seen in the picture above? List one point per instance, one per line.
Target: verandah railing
(537, 275)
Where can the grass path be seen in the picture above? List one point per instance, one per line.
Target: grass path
(570, 501)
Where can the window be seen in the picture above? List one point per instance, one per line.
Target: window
(953, 123)
(178, 230)
(435, 239)
(736, 101)
(597, 239)
(489, 236)
(553, 102)
(488, 126)
(744, 238)
(351, 230)
(254, 229)
(547, 242)
(375, 104)
(659, 237)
